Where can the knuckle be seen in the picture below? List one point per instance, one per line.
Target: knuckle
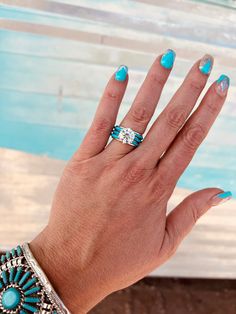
(157, 79)
(140, 114)
(160, 191)
(101, 125)
(78, 168)
(212, 108)
(196, 85)
(162, 188)
(193, 136)
(175, 117)
(194, 212)
(171, 242)
(134, 174)
(111, 95)
(165, 175)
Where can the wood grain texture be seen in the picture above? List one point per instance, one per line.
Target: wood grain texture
(55, 58)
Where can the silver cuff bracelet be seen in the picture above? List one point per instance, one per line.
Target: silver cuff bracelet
(24, 287)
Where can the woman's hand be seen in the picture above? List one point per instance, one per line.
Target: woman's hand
(108, 226)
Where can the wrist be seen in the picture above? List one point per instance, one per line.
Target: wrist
(24, 287)
(77, 287)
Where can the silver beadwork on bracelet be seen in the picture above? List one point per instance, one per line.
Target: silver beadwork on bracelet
(24, 288)
(51, 293)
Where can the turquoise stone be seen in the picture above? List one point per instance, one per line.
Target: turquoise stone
(29, 307)
(5, 277)
(18, 274)
(31, 291)
(19, 251)
(12, 273)
(23, 279)
(11, 298)
(29, 283)
(115, 136)
(32, 300)
(3, 258)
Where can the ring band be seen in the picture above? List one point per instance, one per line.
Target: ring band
(126, 135)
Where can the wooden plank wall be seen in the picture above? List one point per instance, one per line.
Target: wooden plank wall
(55, 58)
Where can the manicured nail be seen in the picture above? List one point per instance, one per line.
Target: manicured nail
(221, 198)
(222, 85)
(168, 59)
(121, 73)
(205, 65)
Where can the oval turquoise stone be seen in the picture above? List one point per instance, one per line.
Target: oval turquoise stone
(11, 298)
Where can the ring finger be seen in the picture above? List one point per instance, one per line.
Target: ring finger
(172, 118)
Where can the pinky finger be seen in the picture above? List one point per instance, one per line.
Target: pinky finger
(105, 117)
(181, 219)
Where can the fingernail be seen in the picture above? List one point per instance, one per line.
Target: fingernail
(221, 198)
(168, 59)
(222, 85)
(205, 65)
(121, 73)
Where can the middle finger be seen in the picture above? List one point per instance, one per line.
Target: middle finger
(145, 102)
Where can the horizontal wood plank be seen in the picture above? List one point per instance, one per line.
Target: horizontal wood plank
(56, 57)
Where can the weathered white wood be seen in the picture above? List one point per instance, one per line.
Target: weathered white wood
(55, 61)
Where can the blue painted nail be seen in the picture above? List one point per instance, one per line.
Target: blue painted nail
(221, 198)
(225, 195)
(168, 59)
(121, 73)
(222, 84)
(205, 65)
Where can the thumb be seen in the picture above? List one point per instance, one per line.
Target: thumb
(181, 219)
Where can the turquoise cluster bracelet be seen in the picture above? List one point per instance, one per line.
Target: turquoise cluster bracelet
(24, 288)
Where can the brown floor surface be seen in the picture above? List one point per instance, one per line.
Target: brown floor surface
(172, 296)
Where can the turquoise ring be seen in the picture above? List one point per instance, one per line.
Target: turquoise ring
(126, 136)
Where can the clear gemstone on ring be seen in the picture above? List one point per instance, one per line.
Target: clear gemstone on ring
(127, 135)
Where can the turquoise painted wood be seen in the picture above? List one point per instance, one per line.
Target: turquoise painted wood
(55, 60)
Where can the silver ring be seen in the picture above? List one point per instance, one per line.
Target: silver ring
(126, 135)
